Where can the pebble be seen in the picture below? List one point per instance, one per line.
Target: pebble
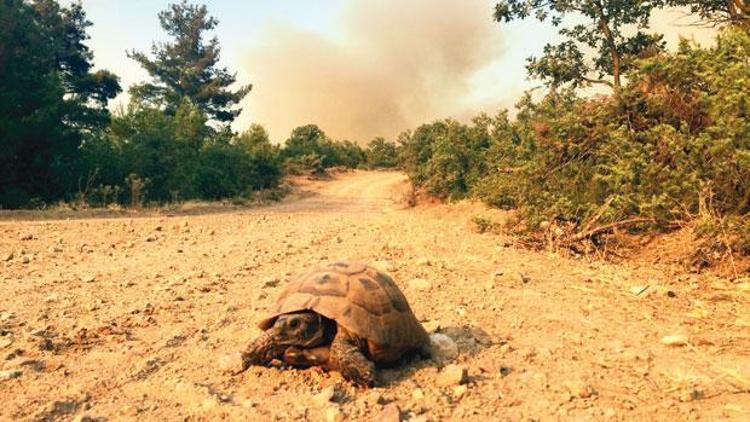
(518, 278)
(8, 256)
(452, 375)
(374, 398)
(391, 413)
(417, 394)
(333, 414)
(431, 326)
(423, 261)
(10, 374)
(419, 284)
(5, 342)
(271, 282)
(231, 363)
(89, 279)
(677, 340)
(443, 348)
(383, 265)
(325, 396)
(579, 389)
(26, 236)
(459, 391)
(25, 259)
(638, 290)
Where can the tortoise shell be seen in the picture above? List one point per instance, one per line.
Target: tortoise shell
(361, 299)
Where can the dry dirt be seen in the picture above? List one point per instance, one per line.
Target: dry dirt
(127, 317)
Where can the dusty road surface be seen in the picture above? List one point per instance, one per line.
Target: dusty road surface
(128, 317)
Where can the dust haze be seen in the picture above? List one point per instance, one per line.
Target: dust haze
(390, 66)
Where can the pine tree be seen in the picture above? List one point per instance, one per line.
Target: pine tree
(188, 67)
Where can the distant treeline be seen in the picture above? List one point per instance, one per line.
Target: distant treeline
(59, 141)
(668, 147)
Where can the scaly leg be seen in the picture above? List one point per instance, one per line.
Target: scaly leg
(347, 357)
(262, 351)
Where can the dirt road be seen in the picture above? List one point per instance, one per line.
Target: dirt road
(127, 318)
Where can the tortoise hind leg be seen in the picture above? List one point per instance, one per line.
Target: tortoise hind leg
(346, 357)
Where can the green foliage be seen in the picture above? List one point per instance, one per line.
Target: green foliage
(446, 157)
(187, 67)
(179, 157)
(308, 147)
(49, 99)
(381, 154)
(613, 30)
(677, 136)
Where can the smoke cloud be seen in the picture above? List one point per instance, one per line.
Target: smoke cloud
(393, 64)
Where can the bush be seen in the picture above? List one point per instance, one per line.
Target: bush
(678, 130)
(180, 157)
(381, 154)
(310, 148)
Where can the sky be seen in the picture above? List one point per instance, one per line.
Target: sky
(357, 68)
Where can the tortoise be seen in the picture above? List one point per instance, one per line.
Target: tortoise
(346, 316)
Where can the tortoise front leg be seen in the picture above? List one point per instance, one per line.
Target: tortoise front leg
(346, 357)
(304, 358)
(263, 350)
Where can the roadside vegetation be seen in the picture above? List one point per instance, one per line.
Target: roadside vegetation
(667, 147)
(172, 142)
(664, 142)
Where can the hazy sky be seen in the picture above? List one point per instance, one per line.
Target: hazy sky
(357, 68)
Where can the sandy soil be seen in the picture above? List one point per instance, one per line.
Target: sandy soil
(127, 318)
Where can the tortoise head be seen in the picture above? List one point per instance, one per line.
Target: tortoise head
(302, 329)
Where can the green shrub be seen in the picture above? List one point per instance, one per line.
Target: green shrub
(679, 129)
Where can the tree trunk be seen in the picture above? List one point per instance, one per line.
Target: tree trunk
(739, 13)
(610, 40)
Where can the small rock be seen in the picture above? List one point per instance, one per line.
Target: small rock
(5, 342)
(481, 336)
(419, 284)
(431, 326)
(10, 374)
(231, 363)
(9, 256)
(442, 348)
(518, 278)
(452, 375)
(151, 238)
(579, 389)
(692, 395)
(89, 279)
(391, 413)
(423, 261)
(417, 394)
(325, 396)
(271, 282)
(383, 265)
(333, 414)
(638, 290)
(249, 404)
(25, 259)
(677, 340)
(6, 316)
(459, 391)
(374, 398)
(26, 236)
